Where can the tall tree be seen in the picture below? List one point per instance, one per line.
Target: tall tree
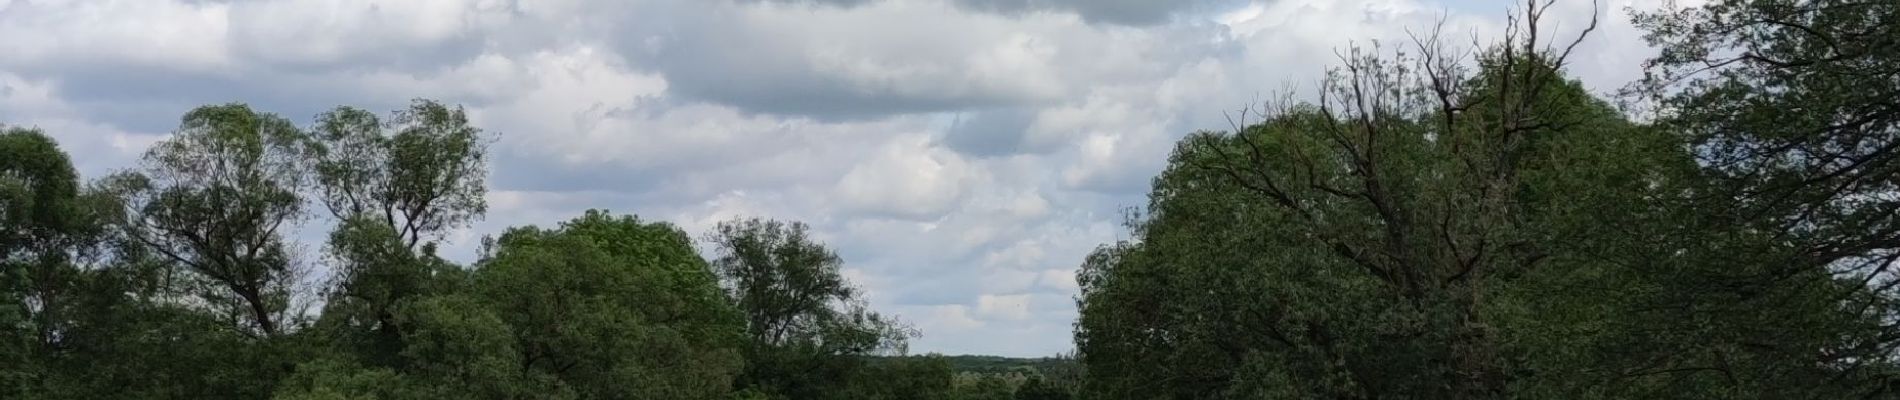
(1371, 244)
(38, 188)
(806, 323)
(1790, 107)
(100, 317)
(421, 171)
(394, 185)
(40, 224)
(217, 198)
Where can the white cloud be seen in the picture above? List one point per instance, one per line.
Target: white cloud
(332, 31)
(174, 35)
(910, 178)
(1008, 307)
(1059, 279)
(951, 318)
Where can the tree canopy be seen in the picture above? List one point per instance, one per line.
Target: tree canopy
(1429, 231)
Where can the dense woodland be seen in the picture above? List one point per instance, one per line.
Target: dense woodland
(1437, 223)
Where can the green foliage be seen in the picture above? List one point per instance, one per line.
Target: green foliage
(216, 199)
(376, 275)
(613, 307)
(392, 186)
(1789, 109)
(807, 328)
(459, 348)
(37, 188)
(904, 377)
(330, 380)
(75, 330)
(1366, 239)
(986, 387)
(1038, 389)
(1424, 232)
(420, 172)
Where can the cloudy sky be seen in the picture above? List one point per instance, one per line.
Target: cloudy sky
(962, 155)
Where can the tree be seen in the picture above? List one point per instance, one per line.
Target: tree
(216, 199)
(985, 387)
(926, 377)
(1038, 389)
(393, 186)
(42, 223)
(1427, 233)
(1789, 107)
(421, 172)
(101, 316)
(1384, 241)
(376, 276)
(806, 324)
(612, 307)
(331, 380)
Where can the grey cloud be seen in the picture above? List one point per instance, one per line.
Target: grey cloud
(764, 72)
(837, 65)
(989, 133)
(151, 100)
(1120, 12)
(406, 36)
(858, 60)
(1126, 12)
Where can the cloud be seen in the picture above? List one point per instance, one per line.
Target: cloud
(1124, 12)
(1062, 280)
(988, 133)
(341, 33)
(909, 178)
(1008, 307)
(849, 63)
(892, 57)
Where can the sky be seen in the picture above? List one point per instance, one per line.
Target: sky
(962, 156)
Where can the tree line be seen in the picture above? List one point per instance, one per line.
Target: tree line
(1444, 226)
(176, 280)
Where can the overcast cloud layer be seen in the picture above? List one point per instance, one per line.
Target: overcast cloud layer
(962, 155)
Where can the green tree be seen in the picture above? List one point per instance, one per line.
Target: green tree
(1385, 241)
(375, 276)
(984, 387)
(42, 223)
(1038, 389)
(332, 380)
(904, 377)
(216, 199)
(808, 329)
(394, 186)
(459, 347)
(612, 307)
(102, 317)
(1789, 107)
(421, 171)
